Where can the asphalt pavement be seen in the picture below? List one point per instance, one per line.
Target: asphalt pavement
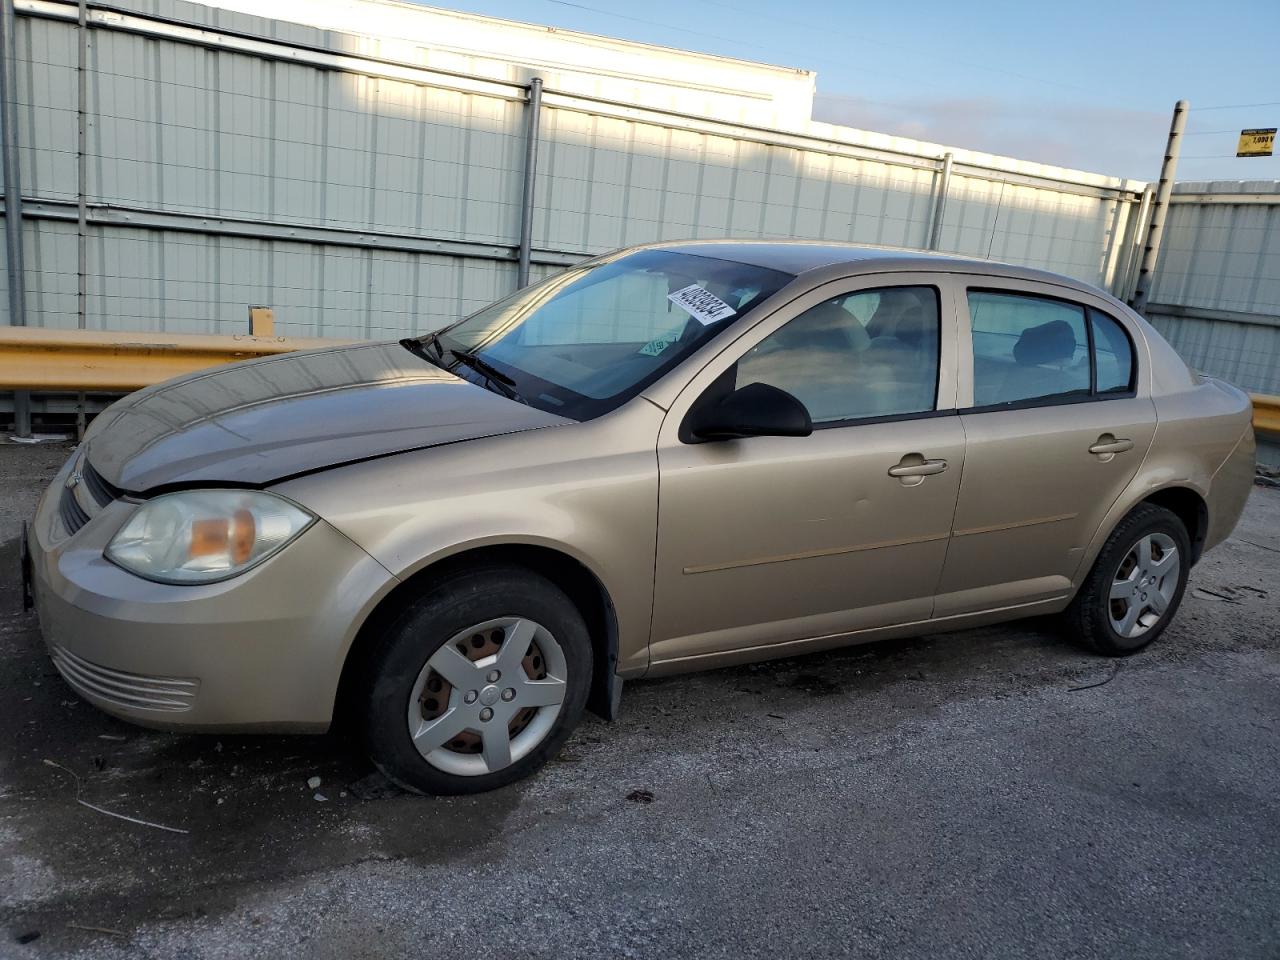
(986, 793)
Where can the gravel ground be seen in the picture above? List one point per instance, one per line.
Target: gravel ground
(986, 793)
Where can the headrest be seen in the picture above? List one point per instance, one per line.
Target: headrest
(828, 315)
(1046, 343)
(891, 306)
(913, 326)
(828, 326)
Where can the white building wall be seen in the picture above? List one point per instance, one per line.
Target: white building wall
(1216, 293)
(362, 172)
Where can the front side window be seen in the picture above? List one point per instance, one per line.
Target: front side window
(1027, 348)
(587, 340)
(873, 353)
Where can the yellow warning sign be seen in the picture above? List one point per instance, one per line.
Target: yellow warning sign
(1256, 143)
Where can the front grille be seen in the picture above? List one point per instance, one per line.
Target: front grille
(82, 500)
(73, 515)
(101, 491)
(135, 690)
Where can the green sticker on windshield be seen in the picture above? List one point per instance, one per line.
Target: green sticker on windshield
(658, 344)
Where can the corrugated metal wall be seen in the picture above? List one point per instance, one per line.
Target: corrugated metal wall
(364, 198)
(1216, 292)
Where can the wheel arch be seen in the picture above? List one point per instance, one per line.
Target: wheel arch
(1190, 507)
(581, 584)
(1183, 498)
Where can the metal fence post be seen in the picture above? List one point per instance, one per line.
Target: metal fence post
(1128, 279)
(1160, 209)
(530, 170)
(940, 203)
(82, 187)
(13, 199)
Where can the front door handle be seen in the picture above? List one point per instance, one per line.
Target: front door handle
(913, 468)
(1109, 445)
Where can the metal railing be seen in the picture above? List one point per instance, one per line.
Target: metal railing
(34, 358)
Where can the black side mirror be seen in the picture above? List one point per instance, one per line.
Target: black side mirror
(756, 410)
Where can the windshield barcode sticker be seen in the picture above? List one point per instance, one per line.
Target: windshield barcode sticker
(703, 305)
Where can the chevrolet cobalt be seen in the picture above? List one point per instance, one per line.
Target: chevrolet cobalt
(665, 459)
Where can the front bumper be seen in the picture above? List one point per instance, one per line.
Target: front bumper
(262, 651)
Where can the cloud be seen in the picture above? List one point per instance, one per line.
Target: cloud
(1121, 143)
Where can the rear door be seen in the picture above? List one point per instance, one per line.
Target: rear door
(767, 540)
(1057, 419)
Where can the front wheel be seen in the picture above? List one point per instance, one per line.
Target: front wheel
(478, 684)
(1136, 584)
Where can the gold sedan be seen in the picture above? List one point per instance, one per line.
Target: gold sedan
(665, 459)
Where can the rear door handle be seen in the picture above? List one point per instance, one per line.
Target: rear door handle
(1108, 444)
(915, 467)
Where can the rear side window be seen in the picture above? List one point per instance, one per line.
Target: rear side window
(1113, 352)
(1027, 348)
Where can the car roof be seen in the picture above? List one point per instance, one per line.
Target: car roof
(800, 256)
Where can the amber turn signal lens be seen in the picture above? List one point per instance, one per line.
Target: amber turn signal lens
(243, 536)
(235, 536)
(208, 537)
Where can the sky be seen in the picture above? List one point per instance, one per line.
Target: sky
(1089, 85)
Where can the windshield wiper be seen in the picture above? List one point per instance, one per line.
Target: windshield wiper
(503, 383)
(419, 349)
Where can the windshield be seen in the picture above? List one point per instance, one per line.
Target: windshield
(587, 340)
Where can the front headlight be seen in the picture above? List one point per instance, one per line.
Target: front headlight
(199, 536)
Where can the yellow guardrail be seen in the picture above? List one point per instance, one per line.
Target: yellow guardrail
(35, 358)
(1266, 412)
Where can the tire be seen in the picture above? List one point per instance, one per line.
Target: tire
(1124, 605)
(418, 675)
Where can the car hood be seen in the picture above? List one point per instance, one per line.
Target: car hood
(259, 421)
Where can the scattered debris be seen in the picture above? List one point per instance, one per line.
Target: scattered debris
(1260, 546)
(112, 736)
(374, 787)
(29, 937)
(217, 747)
(640, 796)
(103, 810)
(1204, 593)
(1089, 686)
(313, 783)
(320, 797)
(91, 929)
(776, 716)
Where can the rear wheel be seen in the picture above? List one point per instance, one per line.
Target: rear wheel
(1136, 584)
(477, 684)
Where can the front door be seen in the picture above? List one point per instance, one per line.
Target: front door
(767, 540)
(1061, 419)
